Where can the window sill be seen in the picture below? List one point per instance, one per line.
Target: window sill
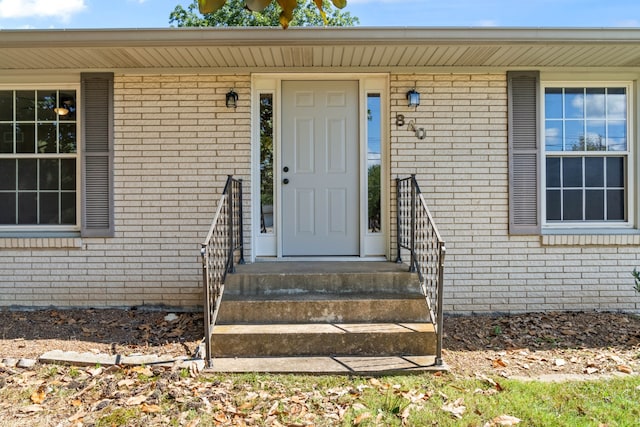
(54, 241)
(592, 237)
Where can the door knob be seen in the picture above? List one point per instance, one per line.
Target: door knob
(286, 168)
(285, 181)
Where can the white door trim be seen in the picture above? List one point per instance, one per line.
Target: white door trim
(270, 245)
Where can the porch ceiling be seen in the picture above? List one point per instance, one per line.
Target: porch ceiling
(265, 49)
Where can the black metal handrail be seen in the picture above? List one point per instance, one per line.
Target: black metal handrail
(418, 234)
(224, 240)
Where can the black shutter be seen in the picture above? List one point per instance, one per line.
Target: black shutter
(97, 155)
(524, 152)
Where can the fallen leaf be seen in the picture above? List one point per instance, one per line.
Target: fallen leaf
(80, 414)
(503, 420)
(127, 382)
(143, 370)
(455, 408)
(39, 395)
(499, 363)
(360, 418)
(171, 317)
(135, 400)
(150, 409)
(624, 369)
(95, 372)
(31, 409)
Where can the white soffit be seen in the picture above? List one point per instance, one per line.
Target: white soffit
(299, 49)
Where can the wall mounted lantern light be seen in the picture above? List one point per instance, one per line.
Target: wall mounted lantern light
(413, 98)
(232, 99)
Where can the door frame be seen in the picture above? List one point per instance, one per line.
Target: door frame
(270, 245)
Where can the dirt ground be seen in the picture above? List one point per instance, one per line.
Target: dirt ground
(531, 345)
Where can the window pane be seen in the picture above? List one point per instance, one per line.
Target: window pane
(572, 172)
(26, 105)
(27, 174)
(617, 135)
(615, 172)
(67, 138)
(47, 138)
(373, 162)
(27, 208)
(594, 205)
(68, 174)
(67, 101)
(8, 211)
(615, 205)
(595, 103)
(7, 175)
(617, 103)
(49, 174)
(25, 138)
(574, 103)
(49, 208)
(46, 104)
(553, 205)
(553, 103)
(572, 205)
(553, 171)
(594, 171)
(6, 105)
(266, 163)
(68, 208)
(595, 137)
(553, 135)
(6, 138)
(574, 135)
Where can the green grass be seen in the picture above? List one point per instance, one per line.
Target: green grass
(415, 400)
(384, 401)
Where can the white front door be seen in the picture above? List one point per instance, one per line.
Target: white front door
(319, 168)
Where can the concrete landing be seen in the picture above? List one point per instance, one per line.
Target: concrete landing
(351, 365)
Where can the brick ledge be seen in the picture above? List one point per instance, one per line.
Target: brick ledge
(41, 243)
(590, 239)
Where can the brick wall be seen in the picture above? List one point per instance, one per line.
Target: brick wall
(175, 143)
(462, 169)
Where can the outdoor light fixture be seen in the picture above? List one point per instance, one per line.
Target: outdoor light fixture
(66, 105)
(232, 99)
(413, 98)
(61, 111)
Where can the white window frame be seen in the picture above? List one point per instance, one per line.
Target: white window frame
(11, 229)
(630, 158)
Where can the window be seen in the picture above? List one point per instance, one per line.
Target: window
(586, 155)
(39, 182)
(266, 163)
(374, 163)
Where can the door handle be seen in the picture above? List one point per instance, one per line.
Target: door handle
(285, 169)
(285, 181)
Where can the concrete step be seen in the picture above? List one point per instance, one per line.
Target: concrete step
(322, 339)
(294, 278)
(327, 308)
(345, 365)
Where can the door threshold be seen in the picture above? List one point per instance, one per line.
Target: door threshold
(321, 259)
